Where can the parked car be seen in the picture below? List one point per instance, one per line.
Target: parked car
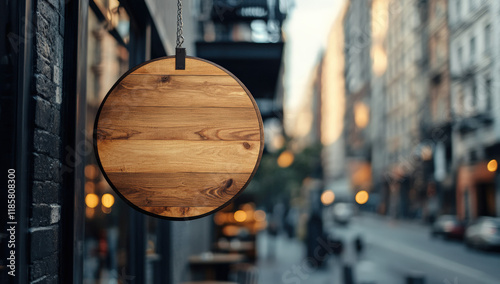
(449, 227)
(484, 233)
(343, 212)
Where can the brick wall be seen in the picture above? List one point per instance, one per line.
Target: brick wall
(45, 210)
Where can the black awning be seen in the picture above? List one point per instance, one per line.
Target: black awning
(257, 65)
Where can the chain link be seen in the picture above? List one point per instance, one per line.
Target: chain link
(180, 37)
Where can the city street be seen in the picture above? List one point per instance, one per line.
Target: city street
(392, 251)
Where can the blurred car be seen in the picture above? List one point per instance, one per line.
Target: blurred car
(484, 233)
(449, 227)
(343, 212)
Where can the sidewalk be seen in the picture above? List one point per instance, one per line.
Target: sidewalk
(287, 263)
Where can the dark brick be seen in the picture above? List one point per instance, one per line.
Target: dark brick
(47, 143)
(42, 26)
(46, 168)
(48, 12)
(61, 25)
(45, 88)
(46, 280)
(43, 114)
(56, 120)
(58, 50)
(44, 242)
(46, 192)
(41, 215)
(54, 3)
(47, 116)
(43, 67)
(44, 267)
(43, 47)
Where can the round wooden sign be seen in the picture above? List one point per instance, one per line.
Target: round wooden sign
(178, 144)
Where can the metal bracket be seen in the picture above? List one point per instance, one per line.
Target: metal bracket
(180, 59)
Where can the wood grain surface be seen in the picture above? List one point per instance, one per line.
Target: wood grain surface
(178, 143)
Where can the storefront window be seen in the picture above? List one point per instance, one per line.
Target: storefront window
(106, 225)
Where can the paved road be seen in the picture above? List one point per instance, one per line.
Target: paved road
(395, 249)
(392, 251)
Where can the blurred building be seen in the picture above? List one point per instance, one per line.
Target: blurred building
(474, 67)
(379, 26)
(333, 111)
(436, 145)
(245, 37)
(358, 146)
(406, 90)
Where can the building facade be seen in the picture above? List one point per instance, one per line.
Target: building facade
(474, 74)
(333, 111)
(378, 55)
(357, 32)
(406, 86)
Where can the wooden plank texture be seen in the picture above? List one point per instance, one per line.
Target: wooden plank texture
(178, 143)
(182, 91)
(179, 212)
(178, 189)
(177, 156)
(158, 123)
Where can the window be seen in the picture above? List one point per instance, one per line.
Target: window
(473, 100)
(458, 9)
(459, 58)
(473, 49)
(487, 39)
(487, 86)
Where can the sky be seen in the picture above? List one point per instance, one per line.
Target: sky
(306, 32)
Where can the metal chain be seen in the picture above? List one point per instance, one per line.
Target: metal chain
(180, 37)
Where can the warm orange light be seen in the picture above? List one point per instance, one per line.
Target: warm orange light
(327, 197)
(362, 197)
(91, 171)
(89, 212)
(107, 200)
(240, 216)
(231, 230)
(285, 159)
(278, 141)
(426, 153)
(106, 210)
(220, 218)
(247, 206)
(379, 60)
(92, 200)
(259, 216)
(492, 165)
(361, 115)
(89, 187)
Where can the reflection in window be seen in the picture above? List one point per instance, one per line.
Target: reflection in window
(106, 224)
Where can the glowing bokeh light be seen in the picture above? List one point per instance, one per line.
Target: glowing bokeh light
(240, 216)
(107, 200)
(492, 165)
(327, 197)
(259, 216)
(285, 159)
(91, 200)
(362, 197)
